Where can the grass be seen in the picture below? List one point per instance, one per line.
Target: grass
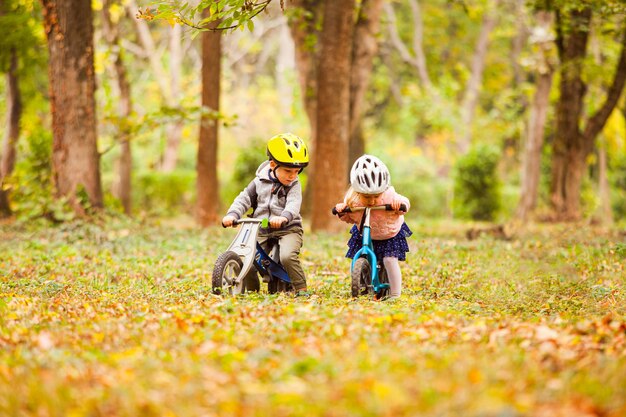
(117, 319)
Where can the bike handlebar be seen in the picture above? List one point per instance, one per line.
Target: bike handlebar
(236, 222)
(386, 207)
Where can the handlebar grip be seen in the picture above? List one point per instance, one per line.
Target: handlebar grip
(235, 223)
(345, 210)
(402, 207)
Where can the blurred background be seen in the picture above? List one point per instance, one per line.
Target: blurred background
(482, 109)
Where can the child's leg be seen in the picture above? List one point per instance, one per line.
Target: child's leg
(290, 245)
(392, 266)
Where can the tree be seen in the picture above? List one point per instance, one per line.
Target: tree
(330, 163)
(10, 46)
(531, 165)
(364, 48)
(75, 158)
(572, 144)
(207, 183)
(122, 187)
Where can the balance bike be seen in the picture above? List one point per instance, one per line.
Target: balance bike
(366, 279)
(245, 252)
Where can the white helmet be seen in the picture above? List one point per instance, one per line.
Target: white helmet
(369, 175)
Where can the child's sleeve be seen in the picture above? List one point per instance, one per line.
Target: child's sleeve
(293, 202)
(243, 201)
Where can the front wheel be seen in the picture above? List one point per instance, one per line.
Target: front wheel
(361, 278)
(227, 268)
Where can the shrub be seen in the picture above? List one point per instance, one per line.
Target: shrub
(477, 189)
(164, 192)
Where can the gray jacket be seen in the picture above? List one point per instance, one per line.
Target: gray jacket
(271, 198)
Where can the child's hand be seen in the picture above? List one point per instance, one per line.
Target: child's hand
(339, 207)
(278, 221)
(396, 203)
(227, 221)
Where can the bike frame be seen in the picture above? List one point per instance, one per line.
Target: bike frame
(252, 253)
(367, 251)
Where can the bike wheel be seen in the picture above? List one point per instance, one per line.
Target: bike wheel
(227, 268)
(361, 277)
(384, 279)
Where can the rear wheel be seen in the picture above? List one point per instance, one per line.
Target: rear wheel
(361, 277)
(384, 279)
(227, 268)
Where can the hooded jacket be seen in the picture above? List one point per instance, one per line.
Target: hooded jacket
(269, 198)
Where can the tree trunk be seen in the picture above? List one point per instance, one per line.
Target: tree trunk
(207, 184)
(329, 177)
(470, 98)
(365, 47)
(175, 128)
(122, 185)
(11, 134)
(531, 169)
(304, 27)
(418, 61)
(572, 146)
(605, 214)
(75, 158)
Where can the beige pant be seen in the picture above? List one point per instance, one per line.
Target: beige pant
(290, 241)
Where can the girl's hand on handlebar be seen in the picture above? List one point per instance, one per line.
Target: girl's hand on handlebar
(339, 207)
(278, 222)
(227, 221)
(396, 203)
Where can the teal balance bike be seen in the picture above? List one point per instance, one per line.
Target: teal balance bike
(367, 273)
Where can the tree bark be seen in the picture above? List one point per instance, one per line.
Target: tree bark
(122, 187)
(75, 158)
(207, 183)
(329, 177)
(365, 47)
(12, 133)
(531, 166)
(470, 98)
(303, 28)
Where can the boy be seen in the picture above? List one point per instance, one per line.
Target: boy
(275, 193)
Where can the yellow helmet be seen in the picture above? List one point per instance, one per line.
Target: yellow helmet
(288, 150)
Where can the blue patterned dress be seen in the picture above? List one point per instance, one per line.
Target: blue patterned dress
(395, 247)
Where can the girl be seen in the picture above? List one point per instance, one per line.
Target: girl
(370, 186)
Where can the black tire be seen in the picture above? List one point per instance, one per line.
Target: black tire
(384, 279)
(278, 285)
(227, 268)
(361, 278)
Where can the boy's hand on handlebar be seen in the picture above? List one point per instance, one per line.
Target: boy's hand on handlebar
(278, 222)
(227, 221)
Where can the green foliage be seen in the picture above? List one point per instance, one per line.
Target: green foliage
(247, 162)
(231, 14)
(32, 193)
(164, 193)
(476, 185)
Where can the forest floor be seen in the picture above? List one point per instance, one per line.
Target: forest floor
(117, 319)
